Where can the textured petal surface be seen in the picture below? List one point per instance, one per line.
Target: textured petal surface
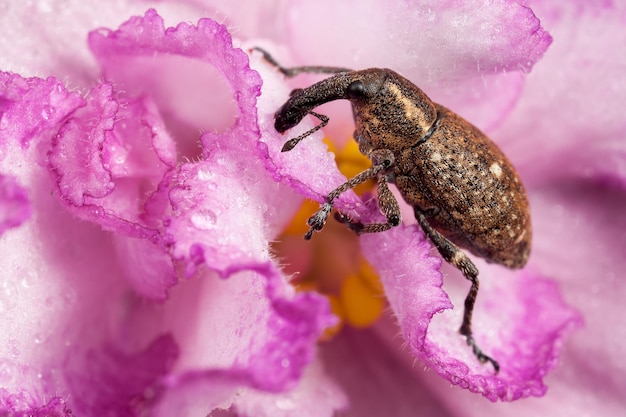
(309, 168)
(74, 286)
(452, 50)
(589, 378)
(30, 107)
(14, 204)
(122, 180)
(224, 208)
(376, 381)
(570, 122)
(304, 399)
(520, 318)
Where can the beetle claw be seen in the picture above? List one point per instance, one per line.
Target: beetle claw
(318, 220)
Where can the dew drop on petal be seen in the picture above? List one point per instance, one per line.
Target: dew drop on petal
(285, 404)
(8, 372)
(204, 219)
(8, 296)
(204, 174)
(47, 112)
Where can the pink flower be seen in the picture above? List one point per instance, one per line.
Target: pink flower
(139, 194)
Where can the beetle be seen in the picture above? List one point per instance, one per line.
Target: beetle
(464, 191)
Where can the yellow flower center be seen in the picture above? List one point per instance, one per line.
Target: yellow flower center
(331, 262)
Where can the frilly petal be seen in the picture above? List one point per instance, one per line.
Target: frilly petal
(304, 399)
(228, 233)
(106, 179)
(377, 382)
(564, 124)
(309, 168)
(454, 38)
(519, 319)
(15, 206)
(457, 52)
(32, 107)
(252, 332)
(119, 383)
(580, 243)
(16, 405)
(224, 209)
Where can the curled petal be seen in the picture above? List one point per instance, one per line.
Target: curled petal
(309, 168)
(520, 318)
(224, 209)
(566, 125)
(31, 107)
(105, 179)
(378, 382)
(455, 38)
(16, 405)
(459, 53)
(304, 399)
(15, 206)
(119, 383)
(111, 180)
(227, 233)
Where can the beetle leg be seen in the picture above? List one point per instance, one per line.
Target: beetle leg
(382, 160)
(388, 206)
(291, 143)
(292, 72)
(452, 254)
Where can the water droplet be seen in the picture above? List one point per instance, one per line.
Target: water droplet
(285, 363)
(47, 112)
(8, 296)
(8, 372)
(70, 296)
(204, 220)
(204, 175)
(285, 404)
(4, 123)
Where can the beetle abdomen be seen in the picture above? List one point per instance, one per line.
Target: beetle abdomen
(478, 200)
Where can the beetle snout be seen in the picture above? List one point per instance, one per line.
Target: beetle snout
(286, 118)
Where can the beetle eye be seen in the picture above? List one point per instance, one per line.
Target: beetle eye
(356, 89)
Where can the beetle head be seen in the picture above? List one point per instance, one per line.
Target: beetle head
(288, 116)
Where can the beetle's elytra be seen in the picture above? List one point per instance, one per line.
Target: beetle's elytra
(464, 191)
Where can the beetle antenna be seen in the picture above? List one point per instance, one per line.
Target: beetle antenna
(292, 72)
(291, 143)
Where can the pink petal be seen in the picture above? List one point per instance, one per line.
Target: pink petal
(580, 243)
(519, 319)
(569, 121)
(227, 232)
(71, 298)
(13, 404)
(304, 399)
(376, 382)
(122, 378)
(104, 180)
(251, 332)
(32, 107)
(190, 72)
(455, 51)
(15, 206)
(225, 208)
(309, 168)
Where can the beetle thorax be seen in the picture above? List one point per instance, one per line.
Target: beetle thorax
(399, 115)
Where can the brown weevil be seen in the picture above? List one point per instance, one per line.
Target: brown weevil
(464, 191)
